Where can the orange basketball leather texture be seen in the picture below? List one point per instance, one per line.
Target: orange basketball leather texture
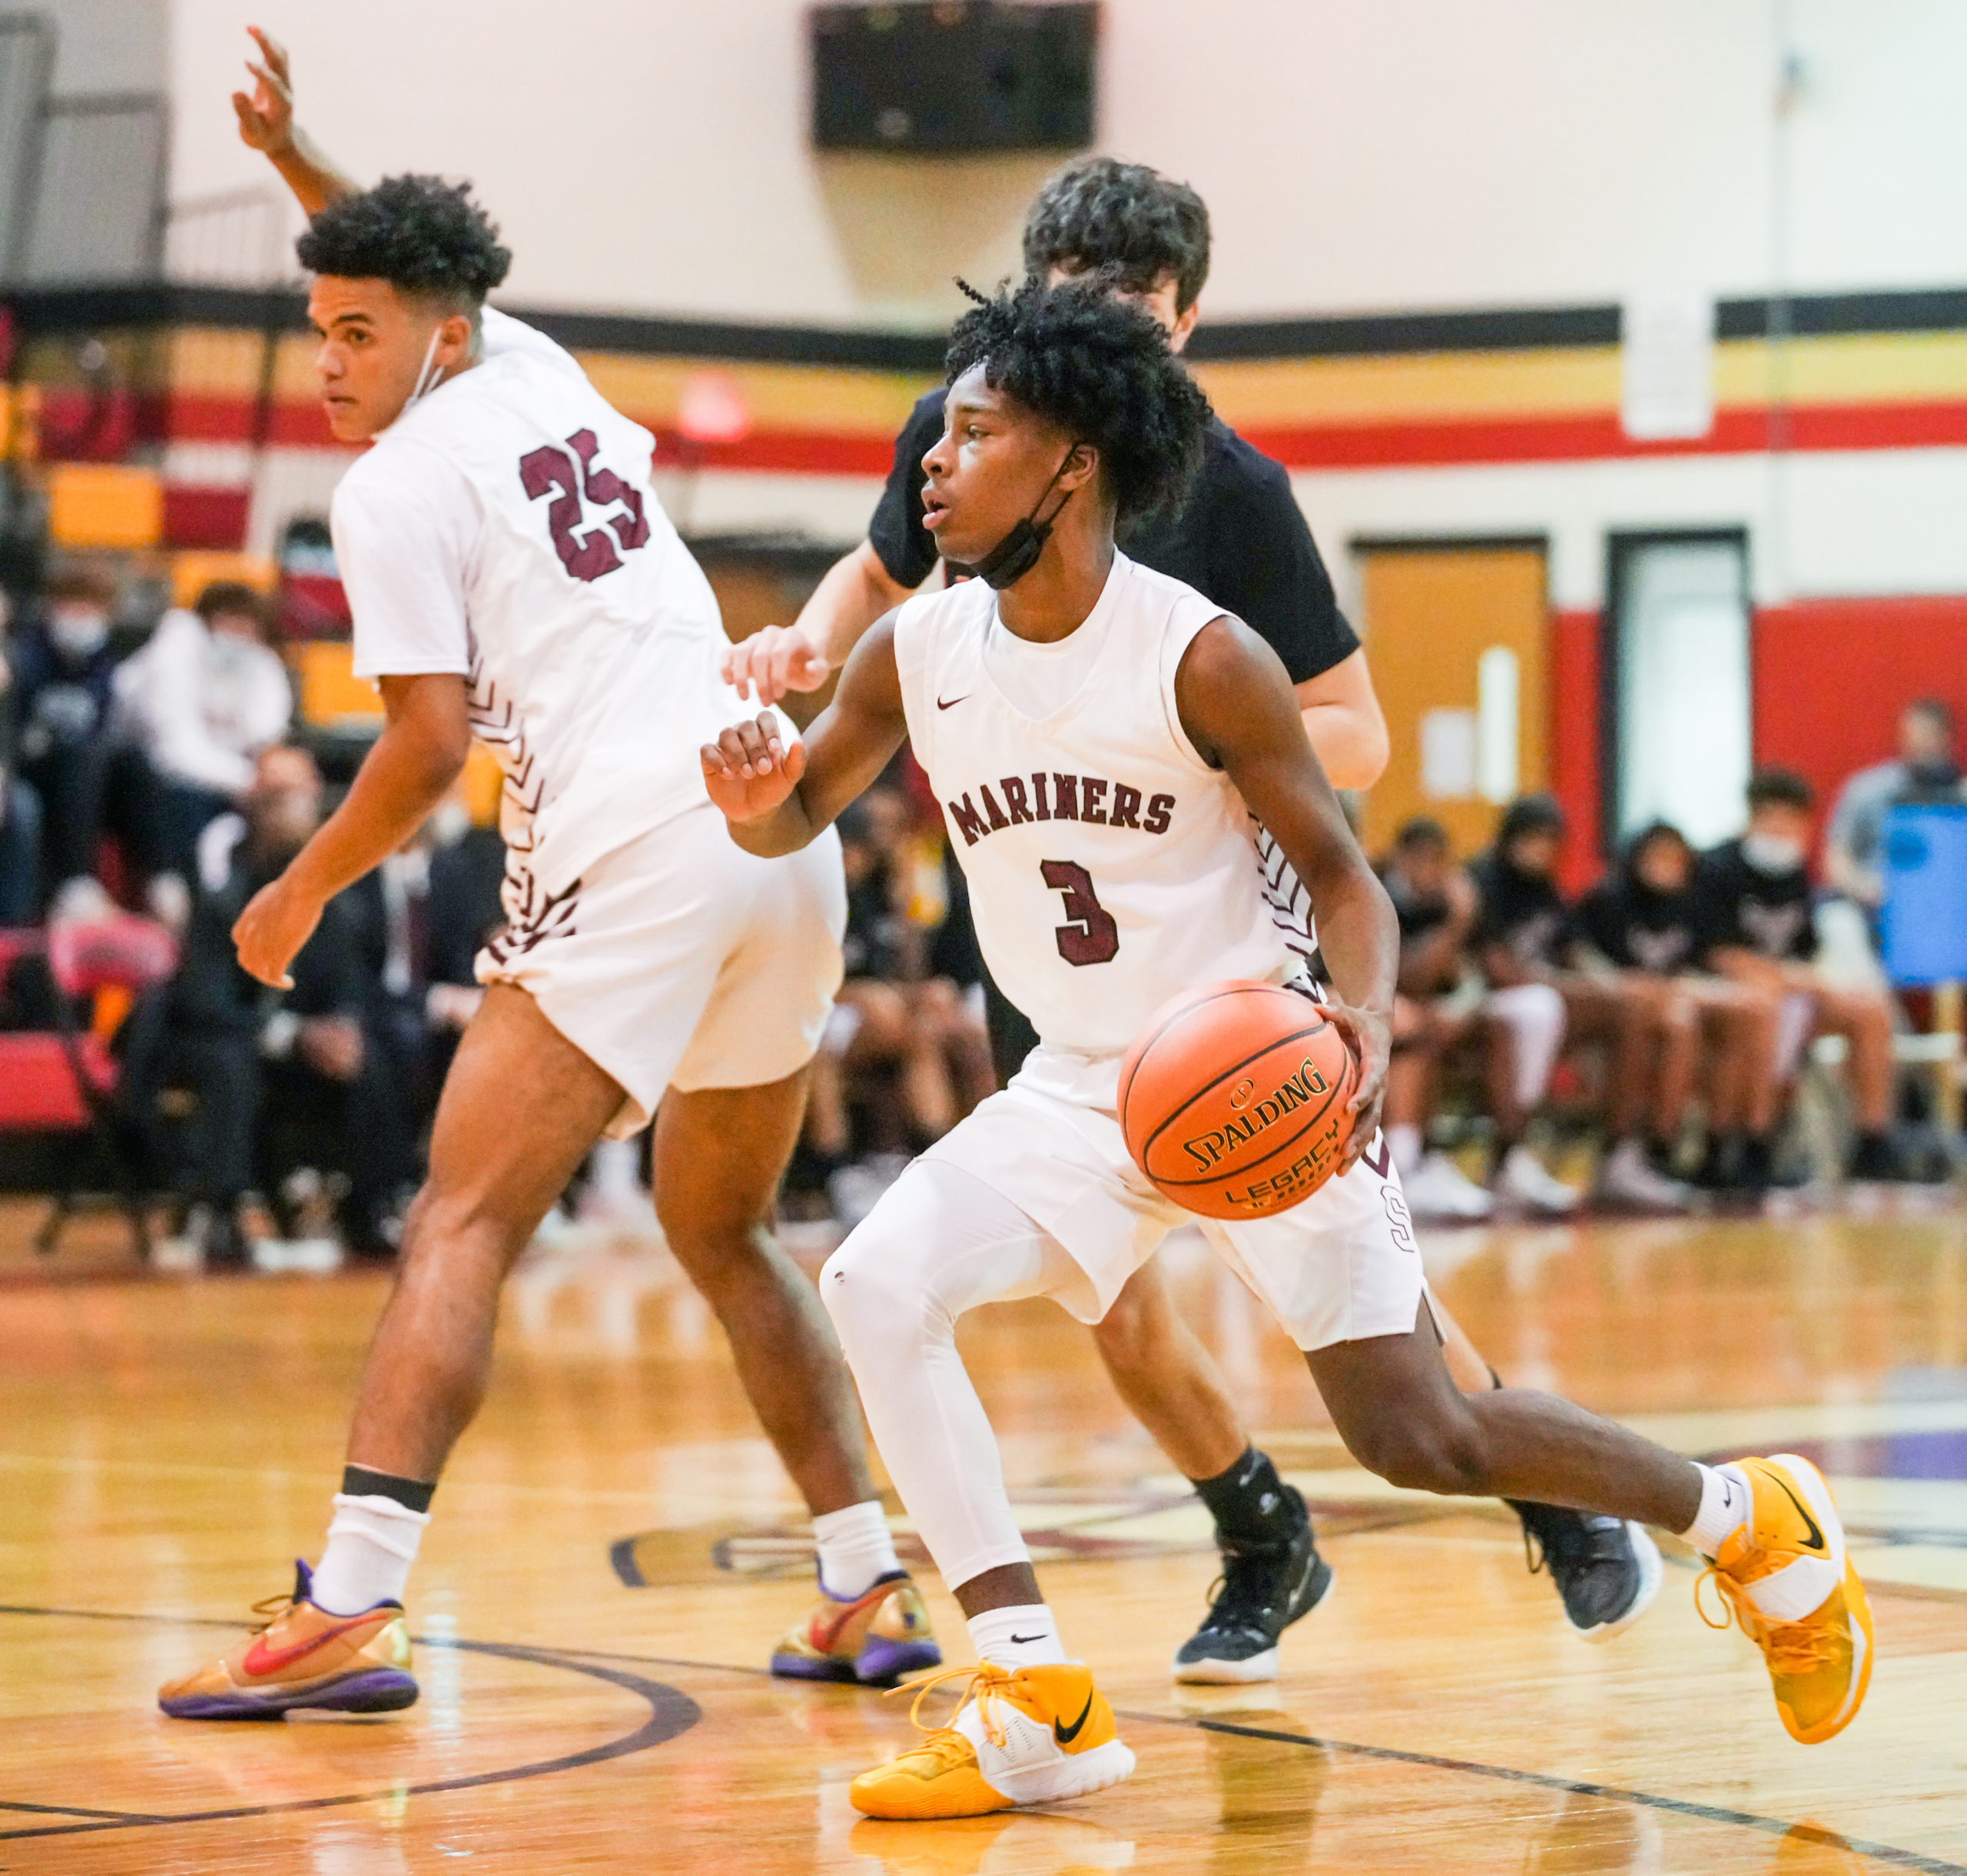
(1233, 1100)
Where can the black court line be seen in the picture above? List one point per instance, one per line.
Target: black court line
(1652, 1800)
(573, 1658)
(672, 1712)
(1712, 1814)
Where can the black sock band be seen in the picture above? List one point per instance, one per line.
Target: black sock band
(1249, 1499)
(412, 1494)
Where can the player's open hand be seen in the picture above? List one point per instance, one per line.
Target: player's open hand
(265, 118)
(279, 919)
(1371, 1034)
(750, 771)
(777, 659)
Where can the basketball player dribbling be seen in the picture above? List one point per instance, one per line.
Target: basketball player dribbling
(1240, 538)
(1101, 738)
(512, 576)
(1149, 237)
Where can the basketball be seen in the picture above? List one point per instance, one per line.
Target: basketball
(1233, 1100)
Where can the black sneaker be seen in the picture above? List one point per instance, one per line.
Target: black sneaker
(1264, 1588)
(1606, 1570)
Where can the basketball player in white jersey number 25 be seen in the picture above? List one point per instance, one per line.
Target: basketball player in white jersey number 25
(1127, 731)
(512, 575)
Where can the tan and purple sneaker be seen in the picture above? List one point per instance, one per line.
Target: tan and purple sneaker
(873, 1638)
(302, 1656)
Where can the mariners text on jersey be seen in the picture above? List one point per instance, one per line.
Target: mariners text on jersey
(1055, 796)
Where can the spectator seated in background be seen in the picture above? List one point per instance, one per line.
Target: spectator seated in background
(1518, 944)
(63, 673)
(1757, 929)
(20, 805)
(420, 918)
(1640, 926)
(262, 1065)
(1927, 769)
(205, 694)
(1436, 907)
(892, 1021)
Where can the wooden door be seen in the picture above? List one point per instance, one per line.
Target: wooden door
(1458, 638)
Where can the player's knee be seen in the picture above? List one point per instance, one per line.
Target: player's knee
(458, 1233)
(1132, 1332)
(1438, 1448)
(867, 1291)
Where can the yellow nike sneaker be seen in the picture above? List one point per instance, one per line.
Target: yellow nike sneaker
(1792, 1587)
(302, 1656)
(873, 1639)
(1028, 1737)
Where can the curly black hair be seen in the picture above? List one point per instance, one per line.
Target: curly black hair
(422, 234)
(1099, 368)
(1123, 218)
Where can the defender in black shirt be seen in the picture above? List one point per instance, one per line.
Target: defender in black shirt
(1755, 913)
(1241, 541)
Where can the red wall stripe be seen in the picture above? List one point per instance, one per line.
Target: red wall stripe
(186, 417)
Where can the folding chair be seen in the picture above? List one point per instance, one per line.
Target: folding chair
(65, 1082)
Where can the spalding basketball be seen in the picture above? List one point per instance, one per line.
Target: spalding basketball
(1233, 1100)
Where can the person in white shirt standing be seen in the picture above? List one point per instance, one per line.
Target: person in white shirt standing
(204, 697)
(511, 575)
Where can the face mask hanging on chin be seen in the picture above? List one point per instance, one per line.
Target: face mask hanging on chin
(1018, 552)
(431, 374)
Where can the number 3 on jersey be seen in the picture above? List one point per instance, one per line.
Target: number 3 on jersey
(551, 470)
(1089, 936)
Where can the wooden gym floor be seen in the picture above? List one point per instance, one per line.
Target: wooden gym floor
(166, 1443)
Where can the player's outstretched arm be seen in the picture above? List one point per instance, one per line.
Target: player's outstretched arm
(404, 775)
(1236, 704)
(857, 592)
(776, 796)
(267, 124)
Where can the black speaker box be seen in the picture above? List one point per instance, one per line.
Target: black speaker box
(954, 77)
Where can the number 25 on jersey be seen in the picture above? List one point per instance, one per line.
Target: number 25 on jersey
(580, 487)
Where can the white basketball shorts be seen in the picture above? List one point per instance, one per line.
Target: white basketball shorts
(1341, 1267)
(679, 960)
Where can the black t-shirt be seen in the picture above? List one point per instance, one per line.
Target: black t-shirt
(1241, 541)
(1736, 906)
(1522, 912)
(1418, 913)
(1638, 929)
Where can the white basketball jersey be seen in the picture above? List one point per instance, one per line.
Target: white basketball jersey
(1109, 866)
(504, 527)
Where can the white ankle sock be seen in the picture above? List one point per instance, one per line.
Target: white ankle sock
(1727, 1500)
(1025, 1636)
(372, 1542)
(1403, 1140)
(856, 1550)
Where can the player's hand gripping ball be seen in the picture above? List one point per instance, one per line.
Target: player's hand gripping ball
(1234, 1099)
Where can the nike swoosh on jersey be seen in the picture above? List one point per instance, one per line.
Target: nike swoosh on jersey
(952, 703)
(1066, 1735)
(1816, 1542)
(260, 1659)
